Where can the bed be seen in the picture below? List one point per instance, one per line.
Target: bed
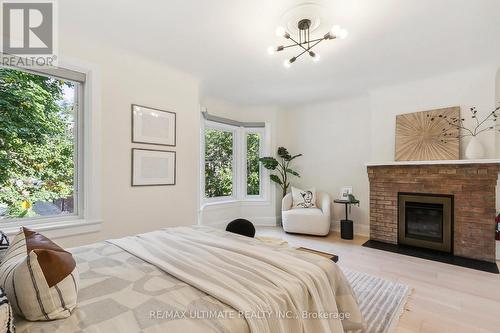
(199, 279)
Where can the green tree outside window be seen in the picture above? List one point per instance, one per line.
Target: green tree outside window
(36, 142)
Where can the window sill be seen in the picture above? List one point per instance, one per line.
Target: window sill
(57, 229)
(232, 203)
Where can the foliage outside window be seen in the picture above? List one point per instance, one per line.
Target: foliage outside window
(253, 165)
(218, 163)
(37, 145)
(231, 162)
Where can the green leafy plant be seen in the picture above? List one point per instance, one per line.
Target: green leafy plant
(282, 166)
(352, 201)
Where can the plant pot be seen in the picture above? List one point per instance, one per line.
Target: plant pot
(475, 150)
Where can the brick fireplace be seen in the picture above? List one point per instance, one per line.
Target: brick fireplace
(471, 185)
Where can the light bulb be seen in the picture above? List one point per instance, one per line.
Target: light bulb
(287, 63)
(314, 56)
(336, 30)
(343, 33)
(280, 32)
(271, 50)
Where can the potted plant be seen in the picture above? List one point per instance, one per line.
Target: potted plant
(474, 148)
(282, 166)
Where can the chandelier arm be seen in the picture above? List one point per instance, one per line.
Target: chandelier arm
(301, 45)
(297, 57)
(298, 44)
(317, 39)
(291, 45)
(315, 44)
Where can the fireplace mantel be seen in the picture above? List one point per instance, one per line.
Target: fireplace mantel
(439, 162)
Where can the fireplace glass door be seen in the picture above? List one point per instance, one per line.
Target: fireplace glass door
(426, 221)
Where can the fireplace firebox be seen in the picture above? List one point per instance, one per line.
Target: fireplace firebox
(426, 220)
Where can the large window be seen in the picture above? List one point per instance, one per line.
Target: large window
(39, 147)
(219, 148)
(232, 170)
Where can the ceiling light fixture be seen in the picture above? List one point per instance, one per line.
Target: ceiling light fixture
(304, 40)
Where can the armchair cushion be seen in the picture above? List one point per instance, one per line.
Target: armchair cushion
(306, 211)
(303, 198)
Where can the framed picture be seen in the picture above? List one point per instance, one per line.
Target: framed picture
(153, 167)
(153, 126)
(344, 193)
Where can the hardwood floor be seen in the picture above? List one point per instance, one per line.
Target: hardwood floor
(445, 298)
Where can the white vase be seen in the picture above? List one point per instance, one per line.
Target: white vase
(475, 150)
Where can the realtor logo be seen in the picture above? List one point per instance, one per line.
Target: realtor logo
(28, 29)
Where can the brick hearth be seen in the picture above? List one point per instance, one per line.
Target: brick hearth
(473, 186)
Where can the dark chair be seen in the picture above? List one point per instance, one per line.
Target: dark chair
(241, 227)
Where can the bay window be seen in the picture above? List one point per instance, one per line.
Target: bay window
(230, 161)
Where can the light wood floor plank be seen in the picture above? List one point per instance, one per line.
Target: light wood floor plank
(445, 298)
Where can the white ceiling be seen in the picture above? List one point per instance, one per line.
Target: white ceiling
(224, 42)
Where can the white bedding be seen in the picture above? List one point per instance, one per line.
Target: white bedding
(120, 292)
(274, 290)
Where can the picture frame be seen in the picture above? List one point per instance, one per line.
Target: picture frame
(344, 193)
(152, 167)
(153, 126)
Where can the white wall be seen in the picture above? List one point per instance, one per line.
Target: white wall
(475, 87)
(334, 138)
(263, 213)
(127, 79)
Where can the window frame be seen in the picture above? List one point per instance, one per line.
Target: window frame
(239, 192)
(87, 215)
(246, 131)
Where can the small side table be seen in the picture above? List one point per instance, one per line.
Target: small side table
(346, 226)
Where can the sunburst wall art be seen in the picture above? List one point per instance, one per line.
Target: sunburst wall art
(427, 136)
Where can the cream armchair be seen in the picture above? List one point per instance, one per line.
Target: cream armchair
(311, 221)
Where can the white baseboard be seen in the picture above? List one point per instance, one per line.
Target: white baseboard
(257, 221)
(264, 221)
(359, 228)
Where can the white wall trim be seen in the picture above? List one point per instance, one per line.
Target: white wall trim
(257, 222)
(264, 221)
(58, 229)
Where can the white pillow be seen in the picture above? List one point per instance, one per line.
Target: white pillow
(303, 198)
(39, 277)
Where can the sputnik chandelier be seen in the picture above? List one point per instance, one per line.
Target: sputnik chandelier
(304, 41)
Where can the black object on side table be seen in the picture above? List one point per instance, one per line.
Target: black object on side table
(346, 226)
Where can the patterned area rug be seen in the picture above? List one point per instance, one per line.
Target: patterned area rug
(381, 301)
